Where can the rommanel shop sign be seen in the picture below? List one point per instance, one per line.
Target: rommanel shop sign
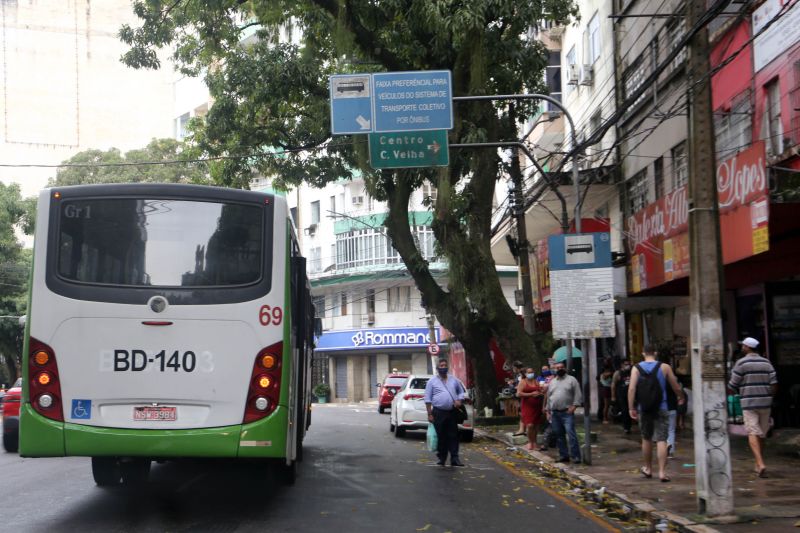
(658, 234)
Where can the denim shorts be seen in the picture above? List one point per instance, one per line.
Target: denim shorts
(654, 426)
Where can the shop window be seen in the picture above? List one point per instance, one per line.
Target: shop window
(637, 191)
(315, 260)
(772, 117)
(680, 166)
(733, 126)
(658, 177)
(593, 40)
(634, 77)
(399, 299)
(319, 305)
(370, 306)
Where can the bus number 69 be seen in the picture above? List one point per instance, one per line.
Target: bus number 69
(270, 315)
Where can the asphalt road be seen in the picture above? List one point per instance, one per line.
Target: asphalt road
(356, 477)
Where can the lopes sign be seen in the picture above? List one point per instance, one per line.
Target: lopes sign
(658, 235)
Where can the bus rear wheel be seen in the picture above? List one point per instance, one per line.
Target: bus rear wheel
(106, 471)
(287, 474)
(135, 471)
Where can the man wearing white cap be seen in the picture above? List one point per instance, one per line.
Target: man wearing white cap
(753, 377)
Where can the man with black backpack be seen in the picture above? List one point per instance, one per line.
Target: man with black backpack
(647, 401)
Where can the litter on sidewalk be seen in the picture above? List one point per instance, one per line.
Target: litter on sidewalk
(773, 503)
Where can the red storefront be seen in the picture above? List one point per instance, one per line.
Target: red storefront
(758, 134)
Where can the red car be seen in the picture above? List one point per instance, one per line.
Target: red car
(390, 386)
(11, 403)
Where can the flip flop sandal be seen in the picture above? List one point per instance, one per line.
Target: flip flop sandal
(645, 473)
(665, 480)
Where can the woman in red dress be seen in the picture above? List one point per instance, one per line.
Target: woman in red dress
(531, 395)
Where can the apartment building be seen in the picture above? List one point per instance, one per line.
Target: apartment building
(65, 89)
(373, 317)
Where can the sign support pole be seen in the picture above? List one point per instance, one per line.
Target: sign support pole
(714, 487)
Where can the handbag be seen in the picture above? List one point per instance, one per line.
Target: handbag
(460, 413)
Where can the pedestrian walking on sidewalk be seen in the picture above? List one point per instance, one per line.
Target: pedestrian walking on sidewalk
(532, 398)
(562, 398)
(753, 378)
(443, 395)
(619, 393)
(605, 380)
(647, 398)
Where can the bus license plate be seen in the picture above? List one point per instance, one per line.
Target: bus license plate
(162, 414)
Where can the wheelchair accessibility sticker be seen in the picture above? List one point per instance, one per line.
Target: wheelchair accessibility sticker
(81, 409)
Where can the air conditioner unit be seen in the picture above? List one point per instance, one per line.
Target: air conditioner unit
(572, 74)
(358, 200)
(587, 75)
(311, 230)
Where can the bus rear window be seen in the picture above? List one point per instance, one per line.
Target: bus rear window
(154, 242)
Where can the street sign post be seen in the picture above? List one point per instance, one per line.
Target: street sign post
(407, 150)
(581, 286)
(351, 104)
(412, 101)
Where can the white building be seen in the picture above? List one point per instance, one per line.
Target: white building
(65, 89)
(372, 314)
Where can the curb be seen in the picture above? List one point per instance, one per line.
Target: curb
(630, 506)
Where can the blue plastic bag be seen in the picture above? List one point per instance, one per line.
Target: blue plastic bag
(433, 439)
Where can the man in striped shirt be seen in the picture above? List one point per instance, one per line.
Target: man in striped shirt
(753, 378)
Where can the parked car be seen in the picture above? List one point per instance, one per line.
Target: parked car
(408, 410)
(388, 388)
(11, 404)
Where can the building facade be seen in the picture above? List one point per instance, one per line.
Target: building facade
(373, 318)
(65, 89)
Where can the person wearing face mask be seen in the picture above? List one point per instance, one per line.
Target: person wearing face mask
(443, 395)
(532, 397)
(545, 377)
(562, 398)
(548, 439)
(619, 393)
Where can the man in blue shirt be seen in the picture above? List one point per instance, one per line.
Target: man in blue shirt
(442, 396)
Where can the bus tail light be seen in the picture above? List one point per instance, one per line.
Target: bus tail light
(45, 387)
(265, 381)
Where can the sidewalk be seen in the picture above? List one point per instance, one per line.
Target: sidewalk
(771, 504)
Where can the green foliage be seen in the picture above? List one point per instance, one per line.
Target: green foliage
(321, 390)
(135, 166)
(15, 264)
(271, 113)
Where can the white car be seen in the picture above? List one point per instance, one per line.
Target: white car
(408, 409)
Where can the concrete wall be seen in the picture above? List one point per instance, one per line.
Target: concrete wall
(66, 90)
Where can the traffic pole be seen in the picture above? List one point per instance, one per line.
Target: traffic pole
(714, 487)
(523, 248)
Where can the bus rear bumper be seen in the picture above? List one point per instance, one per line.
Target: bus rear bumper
(41, 437)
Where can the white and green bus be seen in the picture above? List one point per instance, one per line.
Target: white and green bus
(166, 321)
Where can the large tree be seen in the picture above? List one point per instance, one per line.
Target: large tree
(15, 263)
(161, 161)
(271, 114)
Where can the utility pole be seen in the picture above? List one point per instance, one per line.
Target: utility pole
(522, 241)
(711, 446)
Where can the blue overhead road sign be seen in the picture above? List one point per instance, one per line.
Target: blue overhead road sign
(412, 101)
(351, 104)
